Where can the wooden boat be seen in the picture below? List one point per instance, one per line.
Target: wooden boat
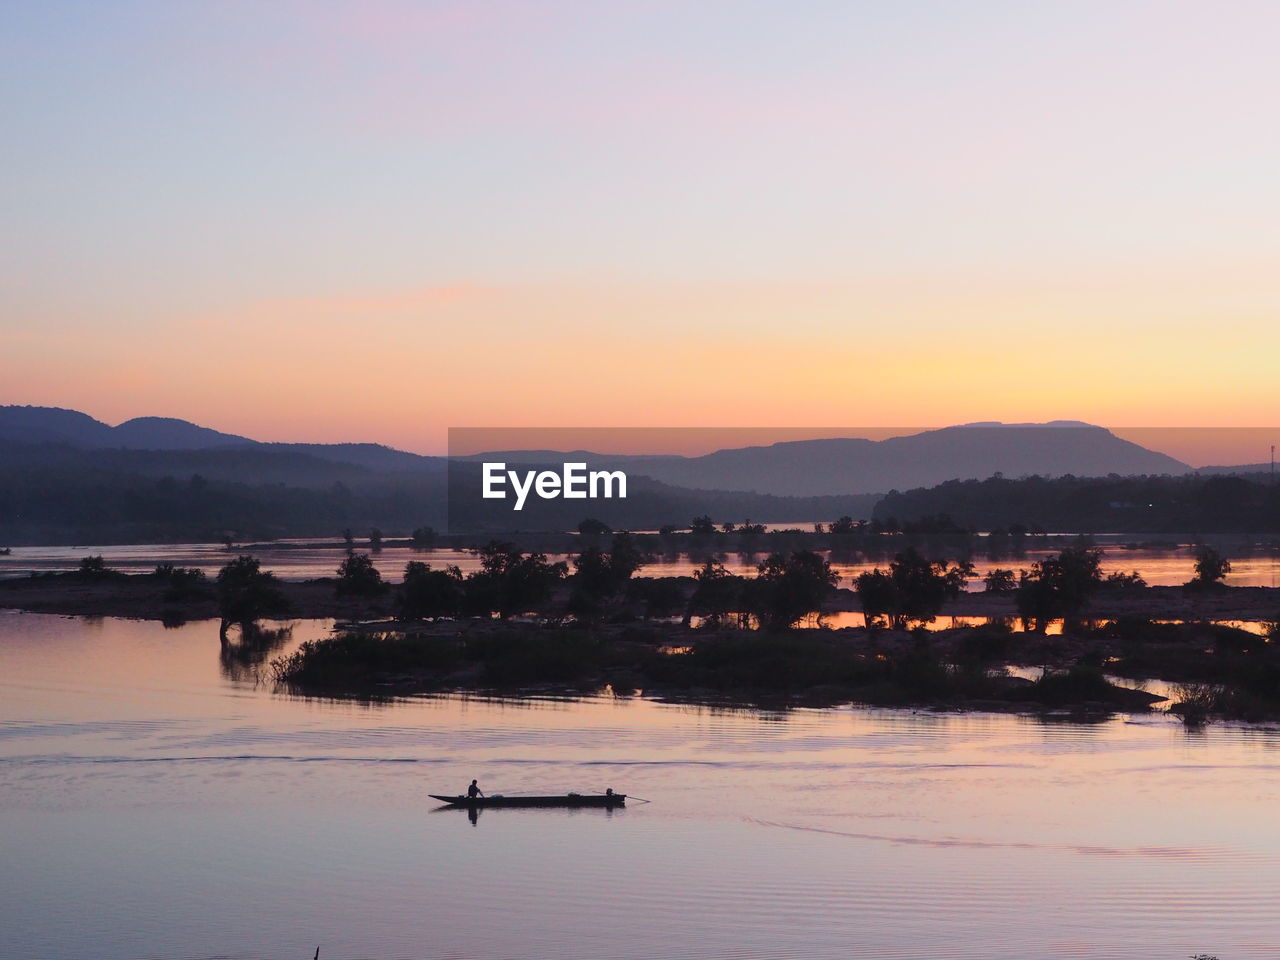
(567, 800)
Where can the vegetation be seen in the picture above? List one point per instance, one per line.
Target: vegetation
(817, 667)
(246, 594)
(1210, 569)
(358, 577)
(1059, 587)
(511, 582)
(1210, 503)
(913, 590)
(601, 576)
(426, 594)
(788, 588)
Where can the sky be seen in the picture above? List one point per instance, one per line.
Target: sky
(377, 220)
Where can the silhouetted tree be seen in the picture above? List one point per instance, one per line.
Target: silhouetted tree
(246, 593)
(702, 526)
(1058, 587)
(788, 588)
(717, 593)
(1210, 568)
(601, 576)
(424, 537)
(657, 596)
(591, 527)
(181, 583)
(843, 527)
(358, 577)
(1000, 581)
(94, 568)
(510, 582)
(427, 593)
(375, 539)
(914, 589)
(1120, 580)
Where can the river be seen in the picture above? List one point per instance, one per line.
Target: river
(159, 800)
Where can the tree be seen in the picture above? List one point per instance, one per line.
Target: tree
(914, 588)
(1210, 568)
(845, 526)
(427, 593)
(601, 576)
(424, 537)
(717, 593)
(358, 577)
(511, 582)
(94, 568)
(591, 527)
(1058, 587)
(375, 539)
(702, 526)
(787, 588)
(878, 596)
(1000, 581)
(246, 594)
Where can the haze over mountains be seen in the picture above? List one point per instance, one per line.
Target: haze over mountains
(799, 468)
(68, 478)
(809, 468)
(222, 455)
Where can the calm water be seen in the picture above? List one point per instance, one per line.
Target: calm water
(305, 559)
(156, 802)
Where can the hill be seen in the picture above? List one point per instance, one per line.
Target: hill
(808, 468)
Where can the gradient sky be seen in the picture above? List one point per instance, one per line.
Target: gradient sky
(364, 220)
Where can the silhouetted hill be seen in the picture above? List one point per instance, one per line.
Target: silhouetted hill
(809, 468)
(51, 425)
(56, 425)
(169, 433)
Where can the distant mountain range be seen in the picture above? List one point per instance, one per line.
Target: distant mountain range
(247, 460)
(66, 477)
(806, 468)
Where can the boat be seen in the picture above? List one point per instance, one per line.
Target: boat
(565, 800)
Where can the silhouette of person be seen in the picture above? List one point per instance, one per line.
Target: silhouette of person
(474, 791)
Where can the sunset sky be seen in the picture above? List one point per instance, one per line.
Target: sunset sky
(340, 221)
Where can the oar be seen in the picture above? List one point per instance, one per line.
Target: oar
(641, 799)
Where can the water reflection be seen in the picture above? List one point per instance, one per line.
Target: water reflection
(243, 654)
(145, 796)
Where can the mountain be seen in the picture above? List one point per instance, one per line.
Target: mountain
(51, 425)
(280, 461)
(808, 468)
(36, 425)
(168, 433)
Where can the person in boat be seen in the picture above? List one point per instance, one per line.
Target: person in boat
(474, 791)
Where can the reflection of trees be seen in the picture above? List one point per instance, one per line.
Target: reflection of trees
(242, 659)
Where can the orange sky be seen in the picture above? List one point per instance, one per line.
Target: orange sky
(379, 220)
(403, 367)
